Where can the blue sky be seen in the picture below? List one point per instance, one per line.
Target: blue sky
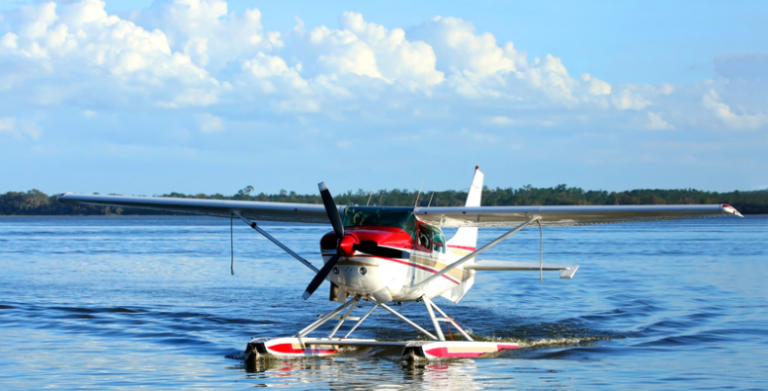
(210, 96)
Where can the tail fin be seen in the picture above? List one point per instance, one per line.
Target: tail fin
(466, 237)
(465, 240)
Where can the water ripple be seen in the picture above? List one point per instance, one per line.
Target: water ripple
(148, 302)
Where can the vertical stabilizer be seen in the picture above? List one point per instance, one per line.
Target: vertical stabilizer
(465, 240)
(466, 237)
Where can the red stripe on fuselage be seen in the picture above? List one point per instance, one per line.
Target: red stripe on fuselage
(416, 265)
(462, 247)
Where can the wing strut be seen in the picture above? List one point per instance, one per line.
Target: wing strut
(258, 229)
(475, 253)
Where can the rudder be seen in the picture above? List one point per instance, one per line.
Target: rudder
(465, 240)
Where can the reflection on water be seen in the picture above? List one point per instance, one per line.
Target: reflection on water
(149, 303)
(419, 375)
(343, 373)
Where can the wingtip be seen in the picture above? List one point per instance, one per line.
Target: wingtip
(732, 210)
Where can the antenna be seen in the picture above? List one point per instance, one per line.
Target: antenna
(430, 198)
(369, 197)
(418, 195)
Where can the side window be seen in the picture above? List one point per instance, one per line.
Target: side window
(438, 239)
(424, 238)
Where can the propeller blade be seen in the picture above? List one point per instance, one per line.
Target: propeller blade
(332, 210)
(320, 276)
(373, 248)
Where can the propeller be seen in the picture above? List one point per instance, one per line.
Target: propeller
(338, 228)
(331, 210)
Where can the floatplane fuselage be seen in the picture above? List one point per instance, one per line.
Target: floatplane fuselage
(406, 255)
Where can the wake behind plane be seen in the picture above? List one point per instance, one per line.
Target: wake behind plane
(379, 255)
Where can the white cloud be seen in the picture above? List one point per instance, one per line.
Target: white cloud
(205, 31)
(272, 72)
(666, 89)
(479, 67)
(459, 49)
(370, 50)
(410, 63)
(9, 40)
(343, 52)
(712, 101)
(596, 86)
(210, 123)
(629, 98)
(80, 38)
(500, 120)
(197, 55)
(656, 123)
(19, 129)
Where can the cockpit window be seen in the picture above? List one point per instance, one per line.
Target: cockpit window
(403, 218)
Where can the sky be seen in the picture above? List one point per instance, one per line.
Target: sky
(209, 96)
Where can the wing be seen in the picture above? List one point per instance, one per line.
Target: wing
(253, 210)
(510, 216)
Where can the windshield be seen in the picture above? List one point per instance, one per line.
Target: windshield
(403, 218)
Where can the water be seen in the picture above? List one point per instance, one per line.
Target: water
(149, 302)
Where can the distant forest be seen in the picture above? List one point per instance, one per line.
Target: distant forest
(35, 202)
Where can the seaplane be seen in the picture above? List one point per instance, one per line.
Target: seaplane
(382, 255)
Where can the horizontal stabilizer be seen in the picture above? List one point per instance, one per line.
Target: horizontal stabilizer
(567, 270)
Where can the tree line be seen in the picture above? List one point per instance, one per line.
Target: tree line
(35, 202)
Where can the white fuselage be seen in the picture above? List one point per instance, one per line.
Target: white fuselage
(398, 279)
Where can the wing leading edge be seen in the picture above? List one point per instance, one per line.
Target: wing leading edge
(253, 210)
(567, 215)
(459, 216)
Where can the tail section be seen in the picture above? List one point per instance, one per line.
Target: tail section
(465, 240)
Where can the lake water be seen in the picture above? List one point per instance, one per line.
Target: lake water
(149, 302)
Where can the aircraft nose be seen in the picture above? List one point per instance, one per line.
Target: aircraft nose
(347, 244)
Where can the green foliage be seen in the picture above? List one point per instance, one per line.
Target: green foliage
(35, 202)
